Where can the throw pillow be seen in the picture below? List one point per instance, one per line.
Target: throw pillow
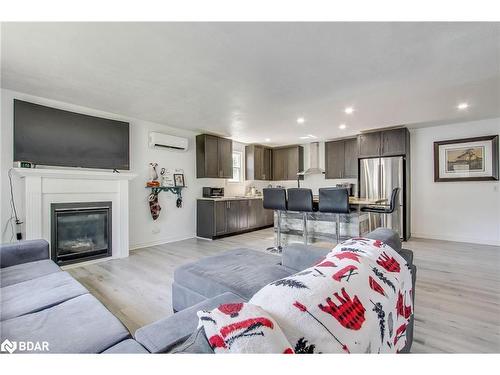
(356, 300)
(242, 328)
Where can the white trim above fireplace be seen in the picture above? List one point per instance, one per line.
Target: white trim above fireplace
(45, 186)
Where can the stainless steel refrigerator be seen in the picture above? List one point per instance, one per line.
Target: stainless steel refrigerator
(377, 178)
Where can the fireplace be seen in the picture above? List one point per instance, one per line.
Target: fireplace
(80, 231)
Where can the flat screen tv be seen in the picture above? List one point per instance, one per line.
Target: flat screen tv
(50, 136)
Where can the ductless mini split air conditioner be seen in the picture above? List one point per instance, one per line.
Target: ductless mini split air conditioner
(160, 140)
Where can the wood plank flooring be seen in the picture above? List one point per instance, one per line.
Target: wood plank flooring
(457, 306)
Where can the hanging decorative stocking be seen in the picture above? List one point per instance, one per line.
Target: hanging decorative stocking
(154, 205)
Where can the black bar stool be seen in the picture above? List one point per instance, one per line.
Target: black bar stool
(301, 200)
(275, 199)
(336, 201)
(384, 210)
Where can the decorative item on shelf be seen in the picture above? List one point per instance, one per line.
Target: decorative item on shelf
(179, 180)
(166, 178)
(154, 205)
(468, 159)
(153, 175)
(173, 185)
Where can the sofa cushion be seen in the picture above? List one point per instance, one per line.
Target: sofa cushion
(19, 252)
(129, 346)
(163, 335)
(38, 294)
(80, 325)
(241, 271)
(26, 271)
(299, 256)
(197, 343)
(387, 236)
(243, 328)
(408, 255)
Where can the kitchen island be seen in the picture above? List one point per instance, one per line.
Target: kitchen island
(321, 226)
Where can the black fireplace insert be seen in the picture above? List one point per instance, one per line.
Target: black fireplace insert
(80, 231)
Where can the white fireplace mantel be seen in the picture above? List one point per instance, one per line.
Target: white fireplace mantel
(42, 187)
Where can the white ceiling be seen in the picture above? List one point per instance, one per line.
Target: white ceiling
(250, 81)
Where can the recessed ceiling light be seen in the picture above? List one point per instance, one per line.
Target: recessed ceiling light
(311, 136)
(342, 126)
(349, 110)
(304, 137)
(301, 120)
(462, 106)
(267, 140)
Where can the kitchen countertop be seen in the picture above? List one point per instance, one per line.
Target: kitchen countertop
(236, 198)
(352, 200)
(359, 201)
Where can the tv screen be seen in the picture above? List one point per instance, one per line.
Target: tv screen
(49, 136)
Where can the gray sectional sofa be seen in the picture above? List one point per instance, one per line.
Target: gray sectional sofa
(235, 276)
(40, 302)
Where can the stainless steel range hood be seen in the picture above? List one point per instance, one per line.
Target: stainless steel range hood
(313, 161)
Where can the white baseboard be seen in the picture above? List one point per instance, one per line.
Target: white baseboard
(480, 241)
(161, 242)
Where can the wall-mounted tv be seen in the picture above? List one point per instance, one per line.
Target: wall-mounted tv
(50, 136)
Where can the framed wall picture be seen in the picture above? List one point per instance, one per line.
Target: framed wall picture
(179, 179)
(468, 159)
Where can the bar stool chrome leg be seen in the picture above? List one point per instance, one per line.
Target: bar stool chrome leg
(277, 248)
(337, 228)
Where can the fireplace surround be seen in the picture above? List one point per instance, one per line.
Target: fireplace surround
(45, 186)
(81, 231)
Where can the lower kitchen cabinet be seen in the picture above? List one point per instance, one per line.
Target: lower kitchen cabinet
(215, 218)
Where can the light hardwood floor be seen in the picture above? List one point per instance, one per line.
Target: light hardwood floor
(457, 306)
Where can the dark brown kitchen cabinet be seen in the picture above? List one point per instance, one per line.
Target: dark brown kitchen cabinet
(225, 157)
(341, 158)
(233, 216)
(287, 162)
(258, 163)
(369, 145)
(215, 218)
(254, 212)
(279, 164)
(393, 142)
(351, 158)
(214, 157)
(220, 218)
(334, 159)
(243, 213)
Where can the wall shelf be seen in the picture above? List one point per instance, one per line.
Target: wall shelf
(176, 190)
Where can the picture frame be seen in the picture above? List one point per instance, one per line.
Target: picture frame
(179, 180)
(466, 159)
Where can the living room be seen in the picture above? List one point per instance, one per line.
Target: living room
(165, 184)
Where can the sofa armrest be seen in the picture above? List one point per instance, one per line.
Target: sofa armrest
(163, 335)
(299, 257)
(23, 252)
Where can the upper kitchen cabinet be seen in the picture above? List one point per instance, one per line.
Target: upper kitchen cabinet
(395, 142)
(214, 157)
(258, 162)
(369, 145)
(384, 143)
(287, 162)
(341, 158)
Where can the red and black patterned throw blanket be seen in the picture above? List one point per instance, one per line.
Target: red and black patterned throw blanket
(357, 300)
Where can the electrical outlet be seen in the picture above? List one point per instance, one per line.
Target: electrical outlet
(495, 188)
